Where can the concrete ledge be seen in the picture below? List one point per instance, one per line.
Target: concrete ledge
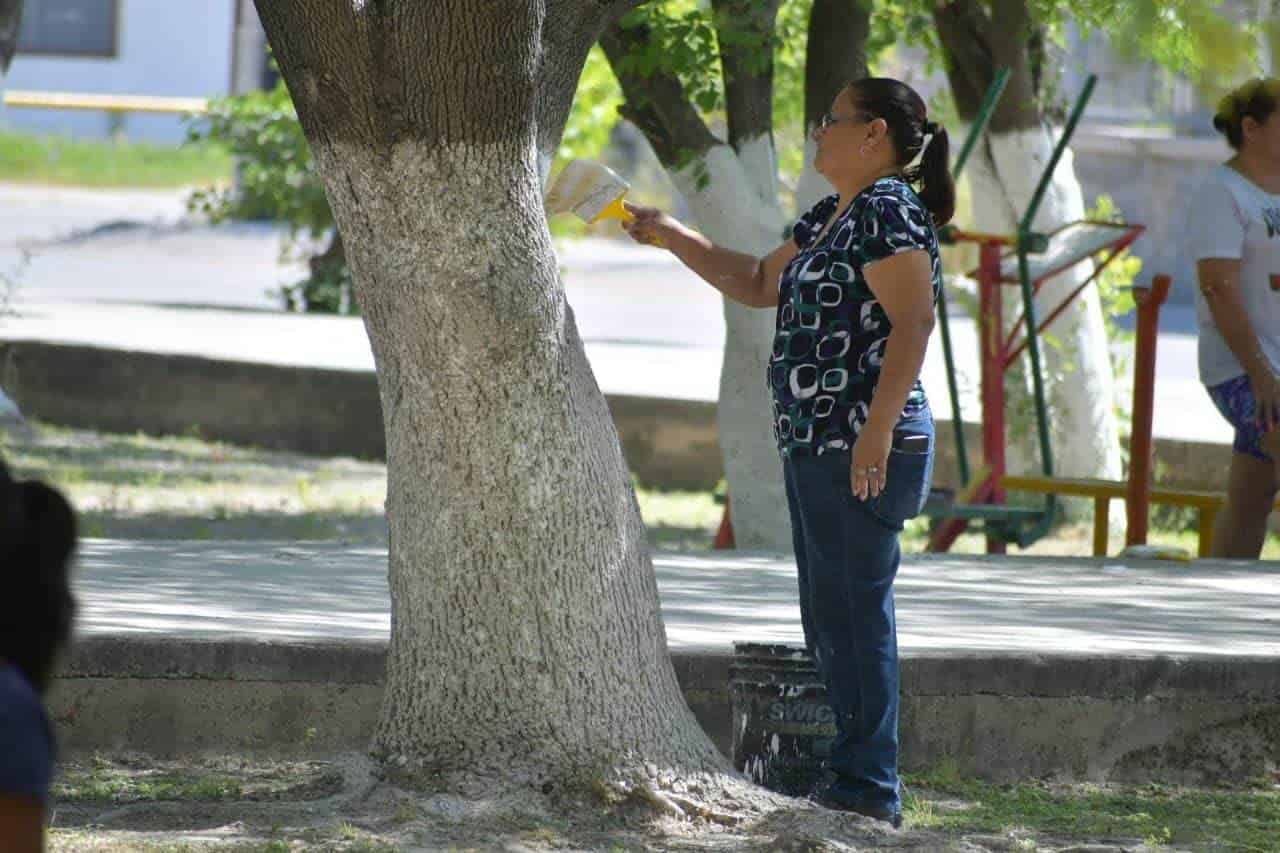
(667, 443)
(1001, 717)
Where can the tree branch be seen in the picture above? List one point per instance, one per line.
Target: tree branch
(569, 30)
(744, 30)
(836, 52)
(656, 103)
(976, 45)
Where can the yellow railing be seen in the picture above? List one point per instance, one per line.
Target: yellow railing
(107, 103)
(1104, 491)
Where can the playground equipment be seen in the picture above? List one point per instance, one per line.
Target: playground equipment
(1138, 491)
(1027, 259)
(1008, 260)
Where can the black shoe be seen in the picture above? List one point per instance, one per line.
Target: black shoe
(888, 814)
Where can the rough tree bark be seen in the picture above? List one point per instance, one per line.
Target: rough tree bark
(731, 186)
(527, 644)
(977, 38)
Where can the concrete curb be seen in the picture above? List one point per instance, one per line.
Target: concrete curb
(1000, 716)
(668, 443)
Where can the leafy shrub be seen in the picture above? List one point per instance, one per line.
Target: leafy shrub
(276, 179)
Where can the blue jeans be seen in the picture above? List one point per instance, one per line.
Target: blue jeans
(847, 556)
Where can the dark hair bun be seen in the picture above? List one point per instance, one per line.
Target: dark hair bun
(1256, 99)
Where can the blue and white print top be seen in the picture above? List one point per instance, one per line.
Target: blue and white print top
(831, 331)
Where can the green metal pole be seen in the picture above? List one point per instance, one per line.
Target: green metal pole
(988, 106)
(989, 101)
(1059, 149)
(1028, 298)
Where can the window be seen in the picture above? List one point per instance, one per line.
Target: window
(69, 27)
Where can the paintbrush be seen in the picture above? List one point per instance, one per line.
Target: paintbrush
(590, 191)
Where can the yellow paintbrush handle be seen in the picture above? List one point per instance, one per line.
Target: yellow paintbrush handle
(615, 210)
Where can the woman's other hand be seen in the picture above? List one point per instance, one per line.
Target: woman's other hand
(869, 470)
(1266, 394)
(649, 225)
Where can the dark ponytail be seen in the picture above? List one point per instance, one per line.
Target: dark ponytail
(933, 175)
(37, 537)
(912, 132)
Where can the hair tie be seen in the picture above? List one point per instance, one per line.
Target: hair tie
(928, 130)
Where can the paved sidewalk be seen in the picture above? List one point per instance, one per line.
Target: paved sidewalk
(945, 603)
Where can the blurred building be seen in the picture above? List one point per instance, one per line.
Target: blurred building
(182, 48)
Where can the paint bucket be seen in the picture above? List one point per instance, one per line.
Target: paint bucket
(782, 724)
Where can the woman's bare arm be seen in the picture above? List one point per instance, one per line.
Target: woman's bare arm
(21, 824)
(743, 278)
(1220, 284)
(903, 285)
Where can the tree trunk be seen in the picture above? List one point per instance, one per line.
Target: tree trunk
(730, 211)
(1002, 175)
(527, 645)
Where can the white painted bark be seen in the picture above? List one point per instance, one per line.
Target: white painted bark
(730, 210)
(1080, 384)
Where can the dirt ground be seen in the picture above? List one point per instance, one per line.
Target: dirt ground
(232, 804)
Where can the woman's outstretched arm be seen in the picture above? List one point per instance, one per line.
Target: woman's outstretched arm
(741, 277)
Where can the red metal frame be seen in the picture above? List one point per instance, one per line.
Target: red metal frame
(998, 354)
(1131, 233)
(1138, 499)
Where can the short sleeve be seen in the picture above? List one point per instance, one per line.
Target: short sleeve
(890, 225)
(1215, 223)
(808, 227)
(26, 752)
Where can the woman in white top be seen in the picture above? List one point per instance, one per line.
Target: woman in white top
(1234, 236)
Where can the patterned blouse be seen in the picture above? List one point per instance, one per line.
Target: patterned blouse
(831, 331)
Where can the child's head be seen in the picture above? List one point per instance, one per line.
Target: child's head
(37, 537)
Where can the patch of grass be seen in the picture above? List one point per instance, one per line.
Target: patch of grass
(360, 841)
(678, 519)
(32, 159)
(74, 841)
(108, 784)
(147, 487)
(1245, 819)
(126, 780)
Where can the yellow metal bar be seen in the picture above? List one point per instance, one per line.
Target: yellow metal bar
(1064, 486)
(1113, 489)
(1101, 524)
(109, 103)
(1207, 517)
